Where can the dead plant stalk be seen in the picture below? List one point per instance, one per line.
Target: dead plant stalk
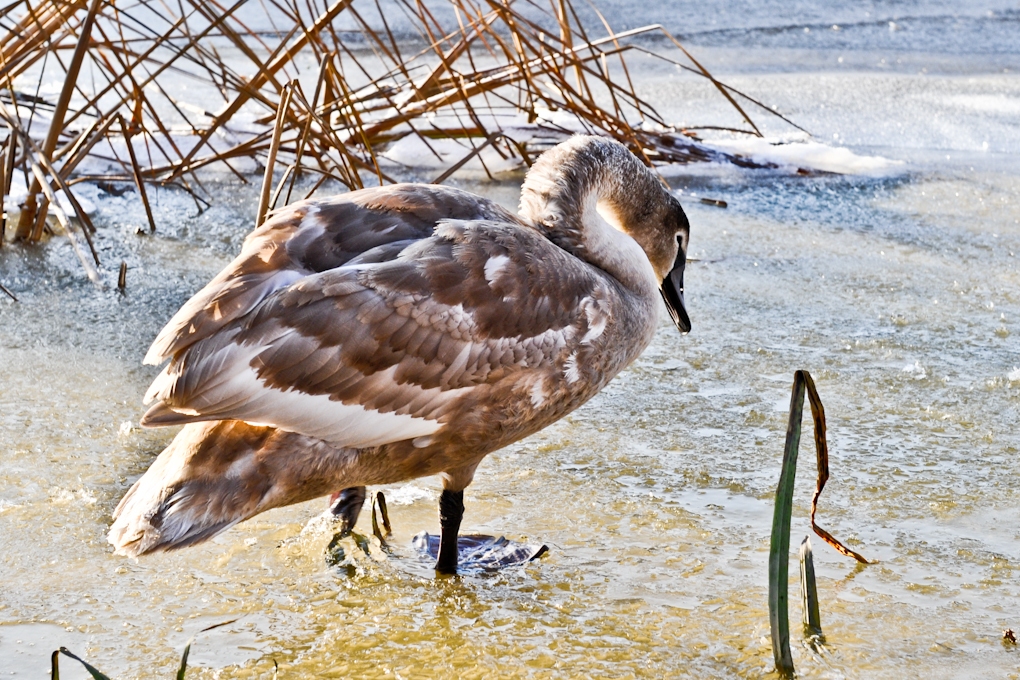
(467, 80)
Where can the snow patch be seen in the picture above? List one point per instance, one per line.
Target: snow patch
(87, 195)
(439, 154)
(805, 153)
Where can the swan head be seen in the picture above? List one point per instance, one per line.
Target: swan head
(648, 212)
(673, 288)
(588, 186)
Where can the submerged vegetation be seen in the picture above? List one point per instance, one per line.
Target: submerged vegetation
(96, 674)
(154, 92)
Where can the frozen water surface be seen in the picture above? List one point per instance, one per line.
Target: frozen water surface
(899, 292)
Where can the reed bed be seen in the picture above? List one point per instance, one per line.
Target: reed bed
(155, 91)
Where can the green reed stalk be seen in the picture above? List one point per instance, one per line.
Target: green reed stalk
(779, 552)
(809, 592)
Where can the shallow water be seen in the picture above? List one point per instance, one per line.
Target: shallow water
(900, 294)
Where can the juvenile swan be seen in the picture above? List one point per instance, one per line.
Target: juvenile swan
(402, 331)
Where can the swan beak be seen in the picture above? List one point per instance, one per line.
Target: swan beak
(673, 294)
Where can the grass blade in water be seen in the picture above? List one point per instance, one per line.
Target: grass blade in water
(184, 660)
(779, 550)
(809, 592)
(55, 670)
(187, 648)
(822, 451)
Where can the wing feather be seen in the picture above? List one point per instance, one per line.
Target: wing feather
(376, 352)
(368, 226)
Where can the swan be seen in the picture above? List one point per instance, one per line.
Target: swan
(402, 331)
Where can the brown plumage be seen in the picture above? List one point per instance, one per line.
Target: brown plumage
(398, 332)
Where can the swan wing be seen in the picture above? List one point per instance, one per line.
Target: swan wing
(315, 236)
(377, 352)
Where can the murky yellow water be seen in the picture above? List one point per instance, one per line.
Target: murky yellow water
(901, 296)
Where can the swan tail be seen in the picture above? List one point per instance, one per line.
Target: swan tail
(208, 479)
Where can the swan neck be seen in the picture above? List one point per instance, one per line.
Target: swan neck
(587, 198)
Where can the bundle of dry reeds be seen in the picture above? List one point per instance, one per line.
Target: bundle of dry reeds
(153, 91)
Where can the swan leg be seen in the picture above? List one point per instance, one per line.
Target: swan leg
(346, 506)
(451, 512)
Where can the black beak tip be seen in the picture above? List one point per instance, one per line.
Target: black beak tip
(677, 310)
(682, 321)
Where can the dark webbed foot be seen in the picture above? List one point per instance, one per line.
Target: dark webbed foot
(479, 553)
(346, 506)
(451, 512)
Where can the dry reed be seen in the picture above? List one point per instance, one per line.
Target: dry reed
(340, 79)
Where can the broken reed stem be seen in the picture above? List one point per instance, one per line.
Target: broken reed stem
(122, 277)
(30, 151)
(65, 222)
(28, 215)
(136, 173)
(274, 147)
(566, 36)
(809, 592)
(779, 547)
(288, 174)
(42, 211)
(6, 176)
(323, 74)
(10, 158)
